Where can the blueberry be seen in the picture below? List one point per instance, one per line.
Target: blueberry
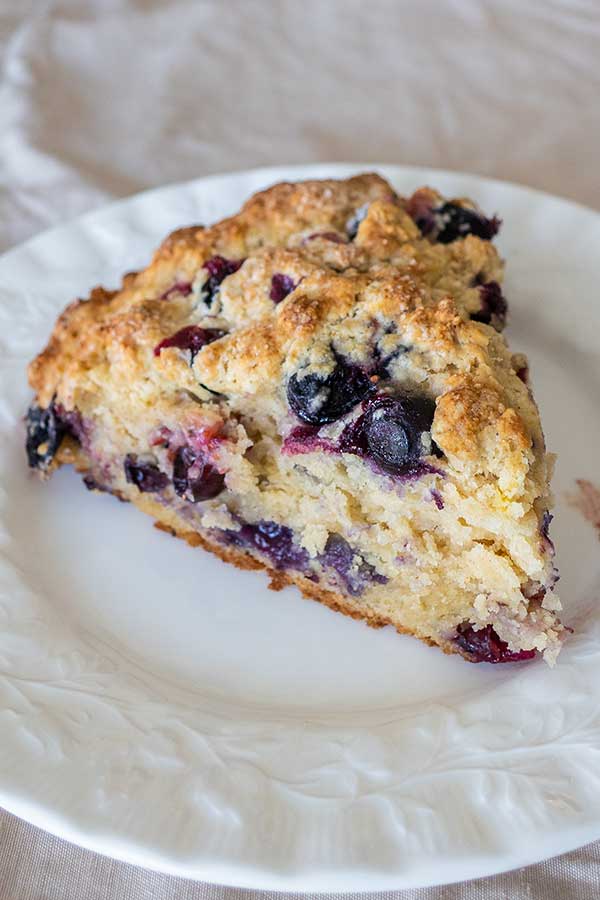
(449, 222)
(339, 555)
(218, 269)
(194, 478)
(390, 440)
(493, 305)
(45, 431)
(192, 338)
(146, 476)
(275, 541)
(484, 645)
(455, 222)
(394, 433)
(318, 400)
(281, 286)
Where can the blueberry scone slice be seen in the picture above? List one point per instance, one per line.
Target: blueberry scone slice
(319, 387)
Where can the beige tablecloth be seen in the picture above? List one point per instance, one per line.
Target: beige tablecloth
(103, 98)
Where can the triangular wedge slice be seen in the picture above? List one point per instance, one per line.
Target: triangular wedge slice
(318, 387)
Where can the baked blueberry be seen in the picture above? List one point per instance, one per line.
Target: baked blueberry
(319, 400)
(281, 286)
(449, 222)
(456, 222)
(275, 541)
(218, 269)
(147, 477)
(45, 431)
(484, 645)
(194, 478)
(395, 433)
(356, 573)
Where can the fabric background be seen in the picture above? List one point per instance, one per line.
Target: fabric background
(102, 98)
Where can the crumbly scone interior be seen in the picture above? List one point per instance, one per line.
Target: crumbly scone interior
(323, 279)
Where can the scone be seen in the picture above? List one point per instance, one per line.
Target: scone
(318, 387)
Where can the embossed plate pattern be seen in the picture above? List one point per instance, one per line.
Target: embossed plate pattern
(159, 707)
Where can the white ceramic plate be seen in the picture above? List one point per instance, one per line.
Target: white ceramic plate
(160, 707)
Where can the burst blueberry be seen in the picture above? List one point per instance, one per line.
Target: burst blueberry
(484, 645)
(194, 478)
(146, 476)
(218, 268)
(45, 432)
(458, 221)
(450, 222)
(275, 541)
(281, 286)
(319, 400)
(355, 572)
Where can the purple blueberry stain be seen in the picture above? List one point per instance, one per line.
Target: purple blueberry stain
(194, 478)
(437, 499)
(306, 439)
(319, 400)
(355, 573)
(484, 645)
(73, 423)
(274, 541)
(218, 268)
(493, 305)
(180, 287)
(281, 286)
(544, 530)
(192, 338)
(146, 476)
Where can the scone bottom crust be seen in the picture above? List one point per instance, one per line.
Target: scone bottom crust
(319, 387)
